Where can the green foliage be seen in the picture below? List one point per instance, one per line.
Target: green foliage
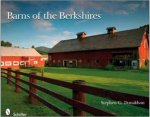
(33, 46)
(147, 63)
(136, 55)
(109, 67)
(6, 44)
(42, 52)
(144, 69)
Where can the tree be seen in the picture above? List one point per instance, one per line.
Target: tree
(33, 46)
(6, 44)
(2, 43)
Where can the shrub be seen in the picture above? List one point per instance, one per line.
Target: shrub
(146, 63)
(109, 67)
(144, 69)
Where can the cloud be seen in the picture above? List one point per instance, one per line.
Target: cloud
(122, 12)
(67, 32)
(6, 7)
(133, 6)
(43, 25)
(112, 7)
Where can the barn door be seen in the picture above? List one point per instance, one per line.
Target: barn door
(65, 64)
(69, 63)
(26, 63)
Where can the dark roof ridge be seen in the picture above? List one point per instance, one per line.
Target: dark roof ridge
(125, 39)
(106, 33)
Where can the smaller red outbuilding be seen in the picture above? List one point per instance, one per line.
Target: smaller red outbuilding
(16, 58)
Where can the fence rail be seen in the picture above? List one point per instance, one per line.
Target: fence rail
(78, 87)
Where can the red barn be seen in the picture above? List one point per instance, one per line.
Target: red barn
(125, 48)
(20, 57)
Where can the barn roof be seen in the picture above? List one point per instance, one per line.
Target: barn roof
(123, 39)
(10, 51)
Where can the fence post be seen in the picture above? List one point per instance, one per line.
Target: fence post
(18, 89)
(42, 72)
(8, 75)
(32, 100)
(79, 96)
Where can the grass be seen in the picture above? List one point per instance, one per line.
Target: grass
(133, 82)
(18, 103)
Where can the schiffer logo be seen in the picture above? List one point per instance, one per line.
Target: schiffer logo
(7, 111)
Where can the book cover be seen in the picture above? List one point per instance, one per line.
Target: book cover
(74, 58)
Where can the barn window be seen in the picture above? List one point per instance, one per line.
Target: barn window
(97, 61)
(21, 62)
(58, 61)
(50, 57)
(35, 62)
(2, 63)
(80, 61)
(53, 61)
(15, 63)
(8, 63)
(70, 61)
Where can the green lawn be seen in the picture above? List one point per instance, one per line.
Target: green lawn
(133, 82)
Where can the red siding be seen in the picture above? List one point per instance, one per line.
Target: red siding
(86, 58)
(29, 61)
(143, 51)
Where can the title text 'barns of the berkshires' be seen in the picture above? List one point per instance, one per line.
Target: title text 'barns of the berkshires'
(124, 48)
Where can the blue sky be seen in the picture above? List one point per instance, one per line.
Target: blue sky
(25, 33)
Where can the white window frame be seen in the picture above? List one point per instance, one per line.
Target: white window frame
(22, 63)
(80, 61)
(35, 62)
(70, 61)
(15, 63)
(50, 57)
(8, 63)
(54, 61)
(2, 63)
